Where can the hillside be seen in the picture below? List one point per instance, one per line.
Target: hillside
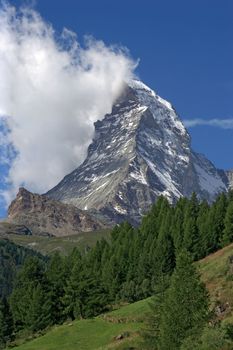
(101, 332)
(48, 244)
(97, 333)
(217, 273)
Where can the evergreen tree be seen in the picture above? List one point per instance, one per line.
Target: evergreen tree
(220, 206)
(151, 333)
(6, 323)
(127, 267)
(203, 229)
(12, 257)
(185, 308)
(212, 229)
(29, 300)
(228, 222)
(177, 228)
(191, 234)
(164, 253)
(230, 196)
(38, 314)
(112, 277)
(151, 222)
(73, 307)
(56, 281)
(144, 262)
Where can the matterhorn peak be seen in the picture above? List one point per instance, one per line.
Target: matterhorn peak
(141, 150)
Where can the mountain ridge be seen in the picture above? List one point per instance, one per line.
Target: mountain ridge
(141, 150)
(43, 216)
(229, 174)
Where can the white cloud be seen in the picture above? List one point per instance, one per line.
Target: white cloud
(53, 90)
(220, 123)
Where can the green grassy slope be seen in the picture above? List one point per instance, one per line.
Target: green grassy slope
(97, 333)
(48, 245)
(217, 273)
(101, 332)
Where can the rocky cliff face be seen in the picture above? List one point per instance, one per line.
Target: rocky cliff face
(44, 216)
(229, 175)
(140, 151)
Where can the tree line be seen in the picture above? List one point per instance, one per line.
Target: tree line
(128, 267)
(12, 257)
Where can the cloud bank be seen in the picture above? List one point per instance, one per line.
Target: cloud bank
(220, 123)
(52, 90)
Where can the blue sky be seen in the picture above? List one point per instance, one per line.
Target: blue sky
(185, 50)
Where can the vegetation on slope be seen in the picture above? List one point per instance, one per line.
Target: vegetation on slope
(217, 273)
(125, 268)
(114, 330)
(128, 321)
(49, 245)
(12, 257)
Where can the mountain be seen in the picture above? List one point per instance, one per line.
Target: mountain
(43, 216)
(229, 175)
(139, 152)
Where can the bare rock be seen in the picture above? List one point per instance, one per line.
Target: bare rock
(41, 215)
(229, 174)
(141, 150)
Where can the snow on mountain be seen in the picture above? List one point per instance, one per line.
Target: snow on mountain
(229, 175)
(139, 152)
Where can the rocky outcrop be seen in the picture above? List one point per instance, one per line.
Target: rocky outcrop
(229, 175)
(43, 216)
(139, 152)
(7, 228)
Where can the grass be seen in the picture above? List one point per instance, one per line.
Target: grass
(48, 245)
(87, 334)
(101, 332)
(97, 333)
(217, 274)
(133, 312)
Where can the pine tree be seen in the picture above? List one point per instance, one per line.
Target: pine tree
(177, 229)
(85, 295)
(151, 222)
(56, 280)
(220, 206)
(29, 301)
(212, 229)
(191, 234)
(144, 262)
(164, 254)
(203, 229)
(228, 222)
(151, 333)
(6, 323)
(185, 308)
(39, 309)
(73, 307)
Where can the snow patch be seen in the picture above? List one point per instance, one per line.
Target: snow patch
(139, 85)
(165, 178)
(95, 178)
(139, 177)
(120, 209)
(165, 103)
(208, 182)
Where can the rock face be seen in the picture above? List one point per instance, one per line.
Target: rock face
(7, 228)
(44, 216)
(140, 151)
(229, 175)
